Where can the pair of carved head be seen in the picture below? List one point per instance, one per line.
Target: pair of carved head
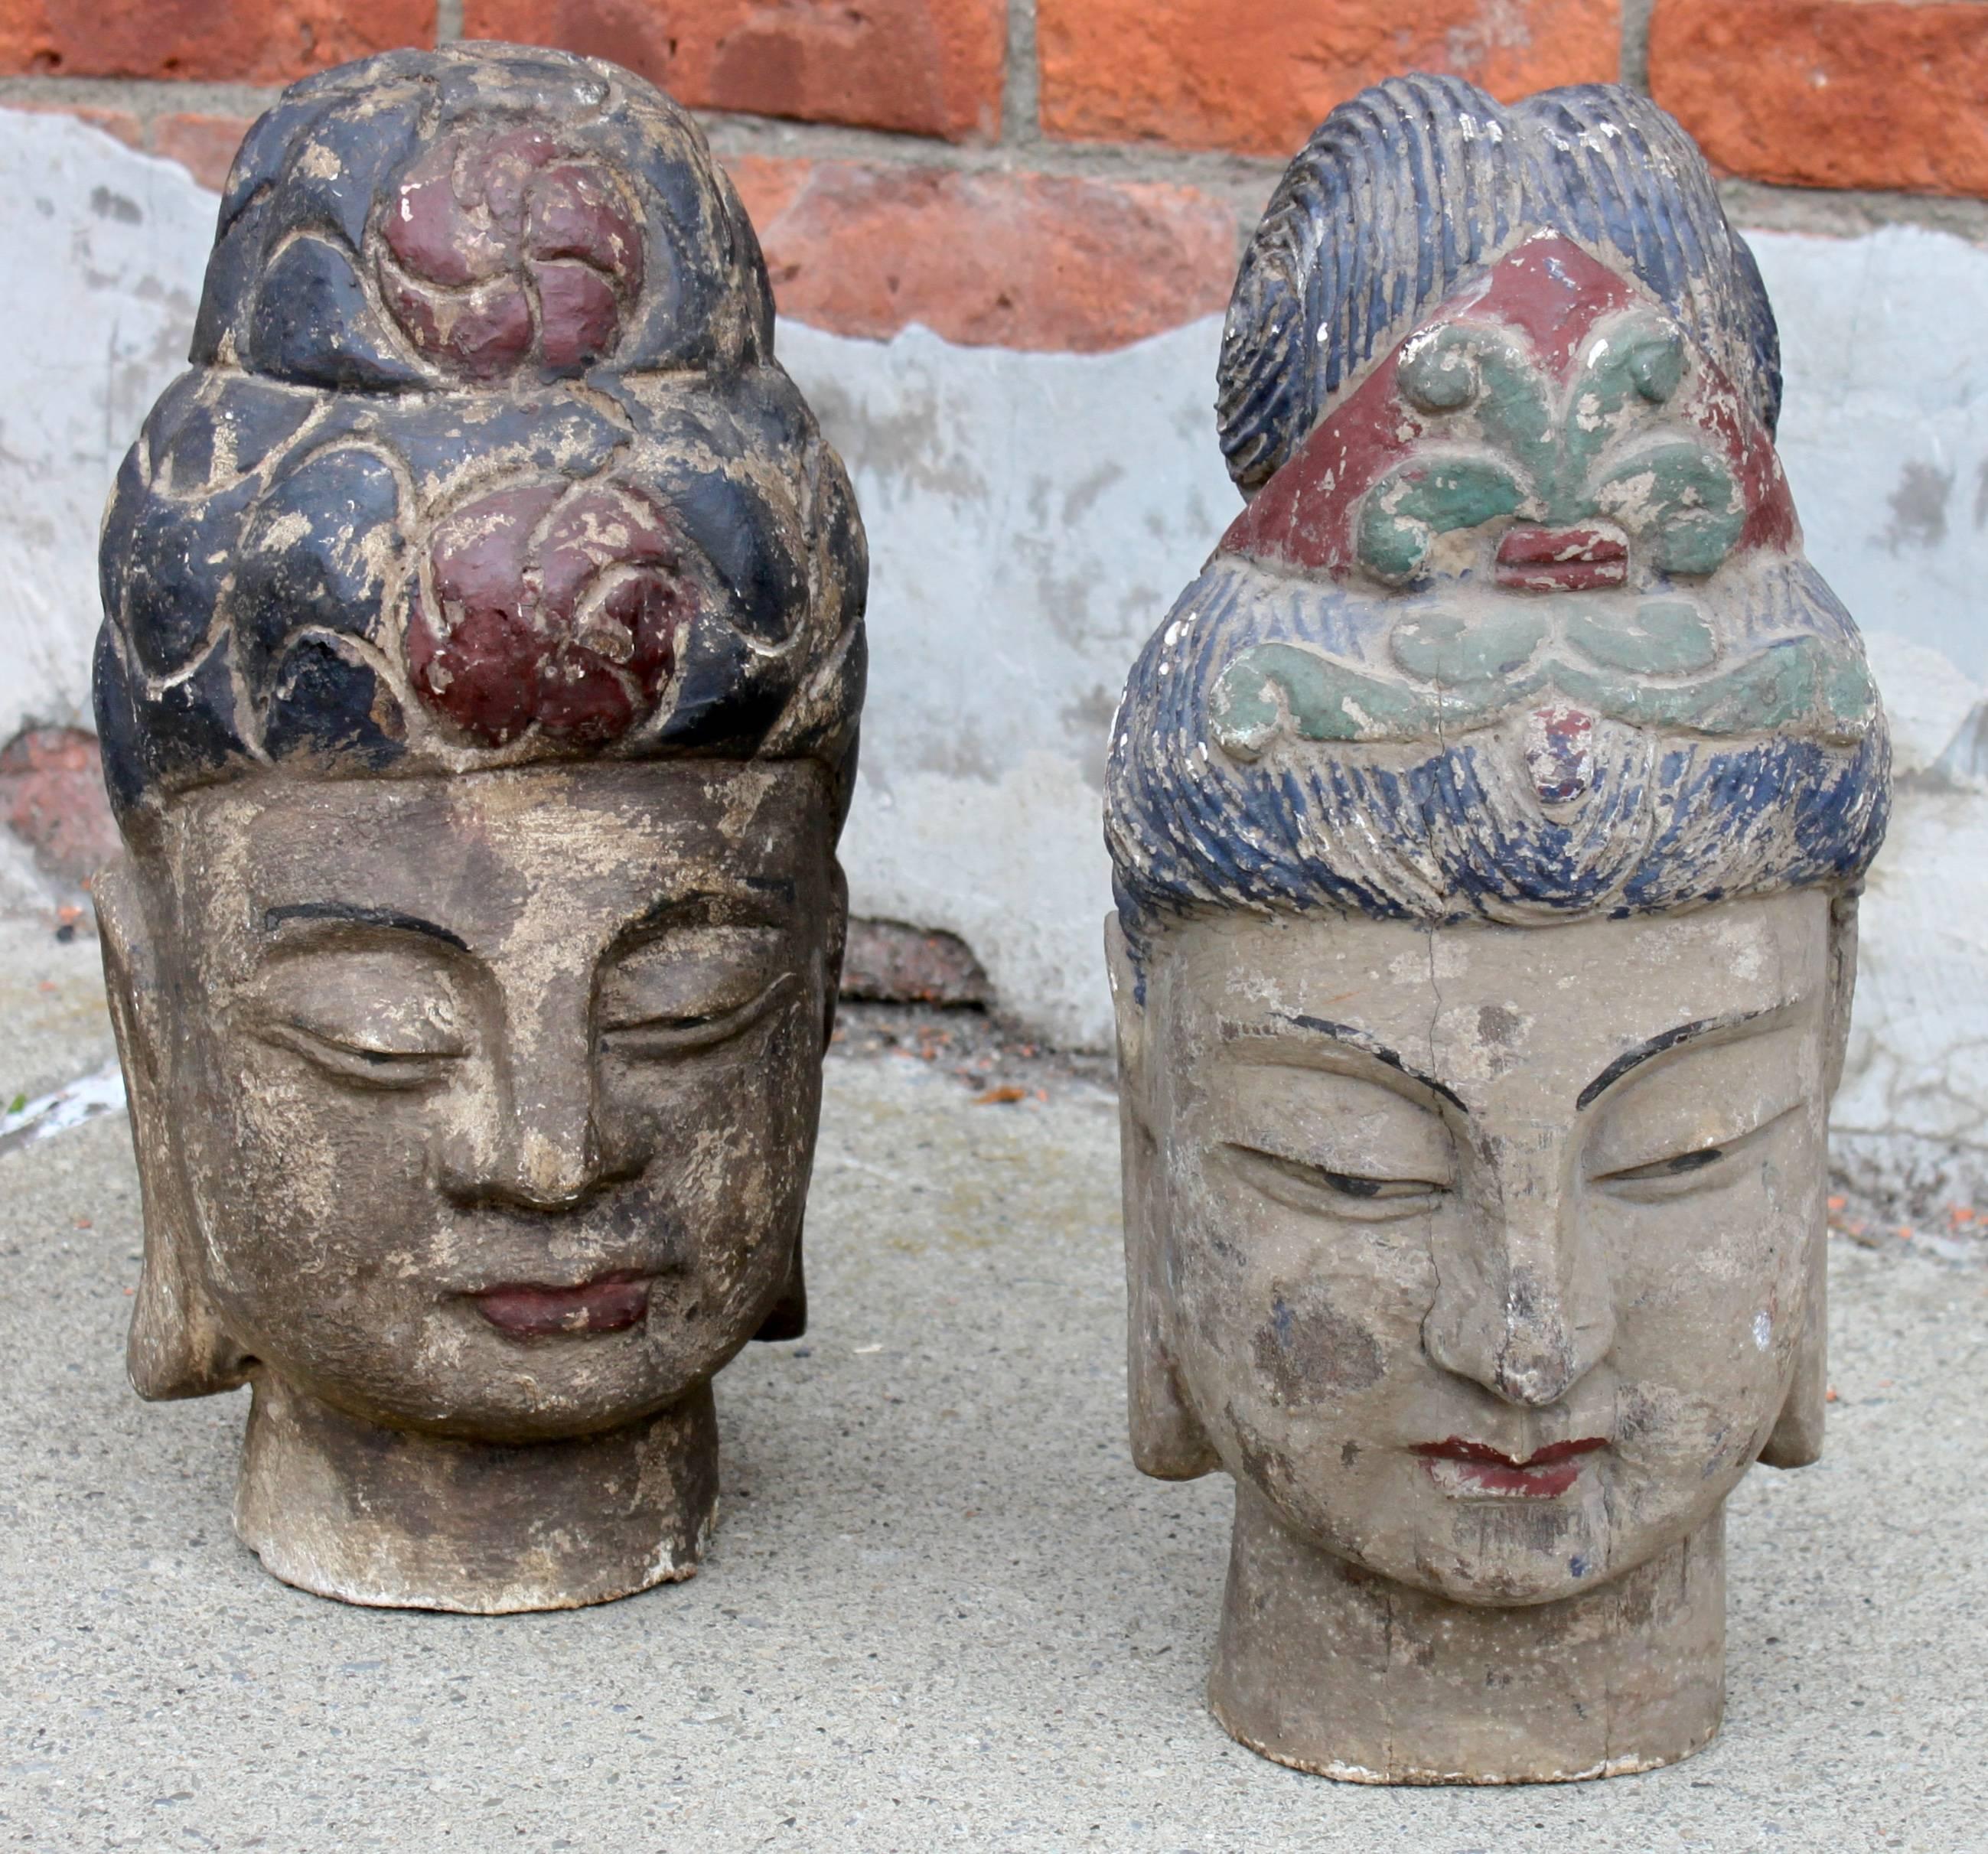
(478, 690)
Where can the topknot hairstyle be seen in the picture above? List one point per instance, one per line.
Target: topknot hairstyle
(483, 457)
(1515, 625)
(1411, 188)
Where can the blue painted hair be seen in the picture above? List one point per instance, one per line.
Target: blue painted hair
(1437, 746)
(358, 401)
(1407, 190)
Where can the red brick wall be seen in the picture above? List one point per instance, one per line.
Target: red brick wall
(922, 67)
(1073, 174)
(259, 41)
(1871, 93)
(1255, 80)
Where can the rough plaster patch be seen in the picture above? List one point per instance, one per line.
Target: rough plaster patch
(1918, 507)
(105, 251)
(1030, 516)
(1927, 700)
(101, 1093)
(1887, 385)
(1918, 1064)
(1010, 867)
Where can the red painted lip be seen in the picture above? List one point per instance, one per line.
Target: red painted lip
(1477, 1467)
(609, 1303)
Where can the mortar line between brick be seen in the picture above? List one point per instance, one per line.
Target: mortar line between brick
(1636, 44)
(147, 99)
(1243, 182)
(1021, 123)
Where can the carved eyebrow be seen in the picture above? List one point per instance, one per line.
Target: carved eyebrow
(716, 906)
(275, 918)
(1656, 1045)
(1370, 1045)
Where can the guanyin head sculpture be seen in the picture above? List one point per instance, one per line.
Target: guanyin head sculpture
(478, 687)
(1487, 820)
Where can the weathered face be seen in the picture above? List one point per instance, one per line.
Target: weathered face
(493, 1097)
(1482, 1253)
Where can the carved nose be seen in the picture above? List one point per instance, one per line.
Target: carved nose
(1543, 1351)
(555, 1168)
(535, 1161)
(539, 1142)
(1528, 1337)
(1524, 1307)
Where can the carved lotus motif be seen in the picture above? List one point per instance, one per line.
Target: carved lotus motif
(560, 606)
(502, 249)
(1589, 459)
(1552, 431)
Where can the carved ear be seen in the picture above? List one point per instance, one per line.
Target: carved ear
(789, 1318)
(1167, 1440)
(1796, 1438)
(837, 947)
(177, 1347)
(1842, 987)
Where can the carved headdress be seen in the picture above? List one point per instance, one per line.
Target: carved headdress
(483, 456)
(1515, 625)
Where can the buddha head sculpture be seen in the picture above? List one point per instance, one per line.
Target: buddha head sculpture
(478, 687)
(1486, 821)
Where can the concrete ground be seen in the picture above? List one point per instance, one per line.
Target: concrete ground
(942, 1608)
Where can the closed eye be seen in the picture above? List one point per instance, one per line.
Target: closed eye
(348, 1058)
(1672, 1167)
(1695, 1168)
(669, 1033)
(1321, 1190)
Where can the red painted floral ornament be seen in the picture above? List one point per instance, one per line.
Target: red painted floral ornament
(485, 456)
(558, 608)
(503, 249)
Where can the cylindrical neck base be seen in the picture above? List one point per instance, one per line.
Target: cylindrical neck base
(348, 1509)
(1328, 1668)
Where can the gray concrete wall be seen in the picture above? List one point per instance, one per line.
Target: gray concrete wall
(1031, 516)
(101, 253)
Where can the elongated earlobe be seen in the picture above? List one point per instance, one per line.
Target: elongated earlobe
(177, 1347)
(1168, 1439)
(789, 1318)
(837, 947)
(1842, 988)
(1796, 1438)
